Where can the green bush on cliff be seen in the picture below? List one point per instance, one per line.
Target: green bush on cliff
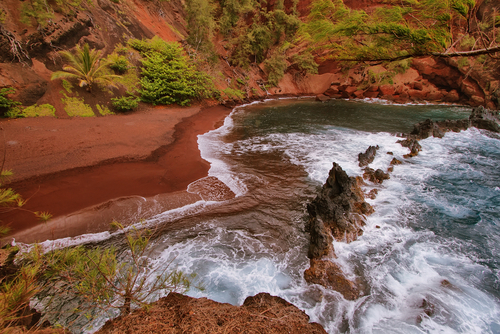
(275, 67)
(268, 29)
(168, 75)
(125, 103)
(6, 103)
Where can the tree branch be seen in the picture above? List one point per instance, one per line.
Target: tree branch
(467, 53)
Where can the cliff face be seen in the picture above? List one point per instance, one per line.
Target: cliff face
(29, 54)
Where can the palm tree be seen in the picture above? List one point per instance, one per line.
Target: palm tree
(85, 65)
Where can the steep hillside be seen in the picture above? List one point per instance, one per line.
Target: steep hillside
(250, 49)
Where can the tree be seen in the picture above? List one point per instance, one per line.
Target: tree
(86, 66)
(168, 75)
(399, 29)
(200, 24)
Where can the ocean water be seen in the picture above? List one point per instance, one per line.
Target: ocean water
(429, 255)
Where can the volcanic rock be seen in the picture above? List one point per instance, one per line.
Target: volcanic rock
(483, 118)
(395, 161)
(177, 313)
(426, 129)
(412, 144)
(367, 158)
(375, 176)
(338, 212)
(322, 98)
(329, 274)
(338, 207)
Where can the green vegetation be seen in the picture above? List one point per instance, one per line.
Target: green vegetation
(39, 110)
(168, 75)
(41, 12)
(268, 29)
(398, 30)
(6, 104)
(232, 94)
(86, 67)
(104, 110)
(98, 278)
(305, 63)
(118, 63)
(201, 24)
(125, 103)
(11, 200)
(275, 67)
(3, 15)
(75, 106)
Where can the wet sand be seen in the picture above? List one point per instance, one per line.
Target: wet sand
(87, 172)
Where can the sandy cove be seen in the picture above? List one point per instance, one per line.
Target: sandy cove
(88, 171)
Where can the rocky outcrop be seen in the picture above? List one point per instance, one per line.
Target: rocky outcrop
(338, 212)
(428, 79)
(375, 176)
(330, 275)
(480, 118)
(367, 158)
(485, 119)
(412, 144)
(178, 313)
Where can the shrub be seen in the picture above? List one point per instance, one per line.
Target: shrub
(275, 66)
(7, 104)
(168, 75)
(76, 107)
(85, 65)
(305, 62)
(39, 110)
(118, 63)
(232, 94)
(125, 103)
(104, 110)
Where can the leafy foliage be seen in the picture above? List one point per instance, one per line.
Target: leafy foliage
(268, 29)
(7, 104)
(75, 106)
(305, 63)
(85, 66)
(201, 24)
(100, 279)
(397, 29)
(168, 75)
(118, 63)
(42, 11)
(275, 66)
(104, 110)
(125, 103)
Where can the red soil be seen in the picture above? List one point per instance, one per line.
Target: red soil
(66, 165)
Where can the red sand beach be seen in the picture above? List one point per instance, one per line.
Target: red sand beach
(88, 171)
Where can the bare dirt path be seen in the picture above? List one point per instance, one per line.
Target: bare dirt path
(66, 165)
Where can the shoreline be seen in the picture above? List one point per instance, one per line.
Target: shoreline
(81, 199)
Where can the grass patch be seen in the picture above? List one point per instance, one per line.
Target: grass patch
(75, 107)
(104, 111)
(68, 86)
(43, 110)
